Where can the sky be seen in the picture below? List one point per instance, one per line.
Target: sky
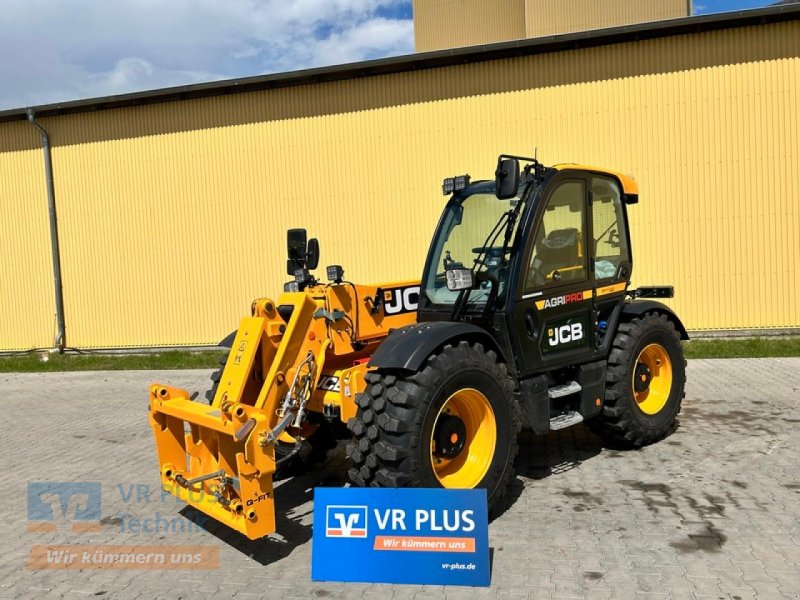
(61, 50)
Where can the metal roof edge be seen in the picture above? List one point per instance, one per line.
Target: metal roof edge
(421, 61)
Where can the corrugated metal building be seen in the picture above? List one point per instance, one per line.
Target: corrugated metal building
(173, 205)
(441, 24)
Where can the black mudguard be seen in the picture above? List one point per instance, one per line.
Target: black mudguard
(227, 341)
(409, 347)
(636, 308)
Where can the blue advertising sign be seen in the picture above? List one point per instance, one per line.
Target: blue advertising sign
(408, 535)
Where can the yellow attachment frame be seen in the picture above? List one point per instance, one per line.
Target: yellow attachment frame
(220, 459)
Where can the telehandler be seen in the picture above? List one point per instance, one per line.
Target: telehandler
(523, 317)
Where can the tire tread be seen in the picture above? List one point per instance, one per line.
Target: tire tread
(396, 403)
(617, 422)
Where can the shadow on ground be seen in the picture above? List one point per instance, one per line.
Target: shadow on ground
(293, 515)
(539, 457)
(555, 453)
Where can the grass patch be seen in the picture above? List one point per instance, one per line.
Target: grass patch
(743, 348)
(177, 359)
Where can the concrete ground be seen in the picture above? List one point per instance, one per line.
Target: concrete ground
(710, 512)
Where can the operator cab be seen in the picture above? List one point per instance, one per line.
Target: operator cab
(539, 257)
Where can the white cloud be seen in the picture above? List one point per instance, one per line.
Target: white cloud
(365, 40)
(134, 73)
(56, 50)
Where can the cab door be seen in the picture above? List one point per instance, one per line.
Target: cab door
(553, 320)
(610, 252)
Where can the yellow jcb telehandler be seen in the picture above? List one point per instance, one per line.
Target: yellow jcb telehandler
(523, 317)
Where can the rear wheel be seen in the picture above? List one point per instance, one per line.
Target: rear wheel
(454, 424)
(645, 382)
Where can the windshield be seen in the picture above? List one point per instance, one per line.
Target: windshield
(472, 234)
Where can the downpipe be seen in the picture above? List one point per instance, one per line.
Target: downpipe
(60, 341)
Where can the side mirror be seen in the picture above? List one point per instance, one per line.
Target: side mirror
(312, 254)
(296, 245)
(459, 279)
(506, 178)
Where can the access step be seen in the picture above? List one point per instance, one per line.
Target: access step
(566, 420)
(572, 387)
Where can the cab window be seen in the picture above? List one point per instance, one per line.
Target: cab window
(558, 255)
(608, 228)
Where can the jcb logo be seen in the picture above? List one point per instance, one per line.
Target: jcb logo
(346, 521)
(329, 383)
(401, 300)
(565, 334)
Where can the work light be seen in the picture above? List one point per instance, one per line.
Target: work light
(455, 184)
(335, 273)
(301, 276)
(459, 279)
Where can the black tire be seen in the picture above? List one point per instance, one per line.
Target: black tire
(215, 377)
(312, 451)
(397, 413)
(623, 420)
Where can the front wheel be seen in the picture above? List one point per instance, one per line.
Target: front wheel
(645, 382)
(454, 424)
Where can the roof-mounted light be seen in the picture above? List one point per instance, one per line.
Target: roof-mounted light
(455, 184)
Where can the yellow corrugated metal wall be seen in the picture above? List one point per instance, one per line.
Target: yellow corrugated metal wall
(554, 17)
(27, 304)
(173, 216)
(440, 24)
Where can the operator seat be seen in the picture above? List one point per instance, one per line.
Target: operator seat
(558, 250)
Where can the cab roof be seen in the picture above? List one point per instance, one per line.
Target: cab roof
(629, 185)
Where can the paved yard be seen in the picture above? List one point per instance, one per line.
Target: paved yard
(710, 512)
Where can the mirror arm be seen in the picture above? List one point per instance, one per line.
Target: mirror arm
(455, 314)
(486, 276)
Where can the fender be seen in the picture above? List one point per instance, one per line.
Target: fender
(636, 308)
(227, 341)
(409, 347)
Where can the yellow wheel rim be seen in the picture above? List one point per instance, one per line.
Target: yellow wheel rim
(652, 379)
(468, 468)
